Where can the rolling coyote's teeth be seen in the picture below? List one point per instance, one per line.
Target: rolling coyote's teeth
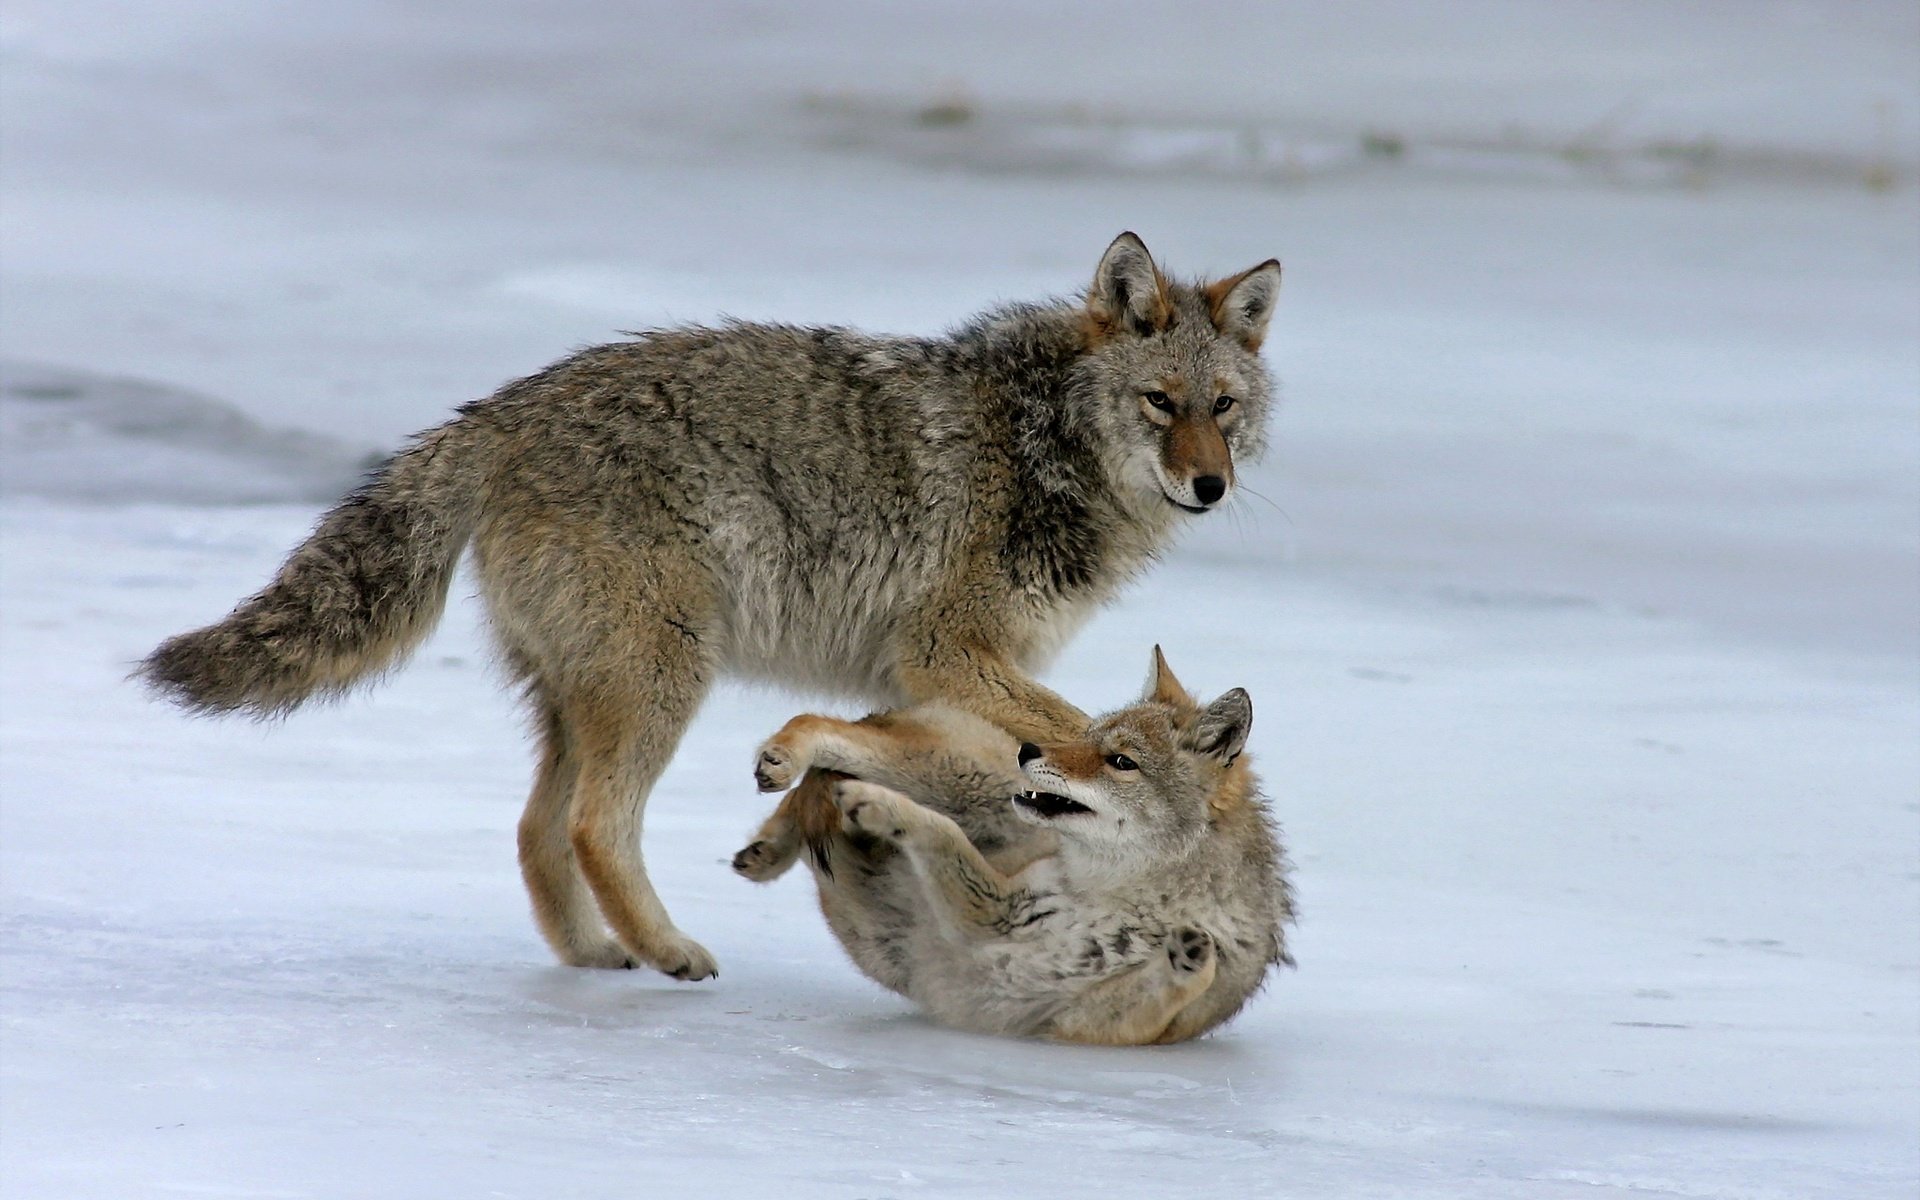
(1050, 804)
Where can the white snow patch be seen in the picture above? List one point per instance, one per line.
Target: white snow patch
(1587, 900)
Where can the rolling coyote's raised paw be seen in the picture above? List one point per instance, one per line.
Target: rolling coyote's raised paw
(773, 769)
(870, 809)
(760, 861)
(1190, 949)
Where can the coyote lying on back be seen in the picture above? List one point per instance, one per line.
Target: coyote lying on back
(892, 518)
(1123, 888)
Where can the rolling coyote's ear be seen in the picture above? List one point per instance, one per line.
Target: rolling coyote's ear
(1242, 305)
(1162, 687)
(1128, 292)
(1223, 727)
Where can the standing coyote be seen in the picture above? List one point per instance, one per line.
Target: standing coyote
(1138, 895)
(892, 518)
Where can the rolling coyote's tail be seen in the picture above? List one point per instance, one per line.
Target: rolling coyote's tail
(368, 584)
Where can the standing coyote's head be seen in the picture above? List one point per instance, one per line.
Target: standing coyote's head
(1147, 782)
(1180, 392)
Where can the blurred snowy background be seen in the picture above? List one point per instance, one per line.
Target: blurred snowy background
(1582, 609)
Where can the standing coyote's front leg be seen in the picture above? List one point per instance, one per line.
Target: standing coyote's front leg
(966, 890)
(955, 649)
(983, 682)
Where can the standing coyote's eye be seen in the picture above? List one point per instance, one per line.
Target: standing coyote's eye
(1159, 400)
(1121, 762)
(1223, 404)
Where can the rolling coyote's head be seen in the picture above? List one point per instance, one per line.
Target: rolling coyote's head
(1146, 782)
(1180, 392)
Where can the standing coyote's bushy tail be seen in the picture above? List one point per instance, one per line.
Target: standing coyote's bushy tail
(360, 592)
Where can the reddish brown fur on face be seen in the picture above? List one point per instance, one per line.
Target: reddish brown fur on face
(1196, 447)
(1100, 327)
(1075, 760)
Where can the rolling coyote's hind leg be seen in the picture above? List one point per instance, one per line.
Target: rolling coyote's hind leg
(1142, 1004)
(960, 885)
(806, 819)
(773, 849)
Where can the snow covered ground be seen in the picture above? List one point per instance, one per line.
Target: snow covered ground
(1580, 602)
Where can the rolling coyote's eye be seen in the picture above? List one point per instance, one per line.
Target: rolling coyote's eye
(1159, 400)
(1222, 404)
(1121, 762)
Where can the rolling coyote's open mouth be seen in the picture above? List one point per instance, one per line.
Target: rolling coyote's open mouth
(1048, 804)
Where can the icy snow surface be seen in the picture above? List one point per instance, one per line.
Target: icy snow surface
(1580, 599)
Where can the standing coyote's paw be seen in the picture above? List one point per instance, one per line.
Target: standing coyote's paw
(873, 810)
(600, 953)
(1190, 949)
(686, 960)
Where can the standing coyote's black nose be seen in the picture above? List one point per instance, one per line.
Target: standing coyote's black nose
(1209, 488)
(1028, 752)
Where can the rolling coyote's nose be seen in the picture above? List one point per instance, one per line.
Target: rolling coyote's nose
(1028, 752)
(1209, 488)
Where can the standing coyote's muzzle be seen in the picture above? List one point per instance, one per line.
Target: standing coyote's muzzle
(891, 518)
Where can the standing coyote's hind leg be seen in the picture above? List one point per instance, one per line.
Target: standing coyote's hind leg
(624, 740)
(563, 906)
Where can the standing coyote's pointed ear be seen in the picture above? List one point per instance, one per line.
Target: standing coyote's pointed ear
(1128, 293)
(1223, 727)
(1242, 305)
(1162, 687)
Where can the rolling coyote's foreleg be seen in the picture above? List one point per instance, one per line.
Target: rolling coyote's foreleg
(857, 748)
(961, 886)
